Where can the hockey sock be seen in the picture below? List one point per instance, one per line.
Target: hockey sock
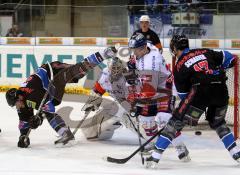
(178, 140)
(57, 123)
(162, 143)
(228, 141)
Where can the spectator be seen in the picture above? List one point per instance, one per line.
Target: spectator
(149, 34)
(14, 32)
(151, 6)
(136, 6)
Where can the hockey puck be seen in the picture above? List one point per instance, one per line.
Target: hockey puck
(198, 133)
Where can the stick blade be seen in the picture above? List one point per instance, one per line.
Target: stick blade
(118, 161)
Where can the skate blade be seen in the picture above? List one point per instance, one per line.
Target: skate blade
(69, 144)
(152, 166)
(186, 159)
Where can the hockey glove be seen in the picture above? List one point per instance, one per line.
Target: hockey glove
(35, 121)
(131, 77)
(131, 63)
(110, 52)
(23, 141)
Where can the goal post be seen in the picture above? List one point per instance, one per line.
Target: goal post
(236, 126)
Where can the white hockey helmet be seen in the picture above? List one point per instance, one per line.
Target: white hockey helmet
(144, 18)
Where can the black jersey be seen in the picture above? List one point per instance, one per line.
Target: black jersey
(151, 37)
(35, 87)
(198, 67)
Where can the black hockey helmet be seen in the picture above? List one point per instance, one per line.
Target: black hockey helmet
(12, 96)
(180, 42)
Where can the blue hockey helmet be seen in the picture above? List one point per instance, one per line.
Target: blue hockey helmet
(137, 40)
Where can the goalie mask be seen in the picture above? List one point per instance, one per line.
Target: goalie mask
(116, 68)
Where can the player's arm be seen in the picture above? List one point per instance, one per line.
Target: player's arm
(24, 127)
(225, 59)
(80, 69)
(182, 83)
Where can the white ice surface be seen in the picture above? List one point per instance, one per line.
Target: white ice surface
(207, 153)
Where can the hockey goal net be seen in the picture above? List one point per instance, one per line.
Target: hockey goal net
(233, 113)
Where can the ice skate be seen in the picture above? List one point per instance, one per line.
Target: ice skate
(66, 139)
(183, 153)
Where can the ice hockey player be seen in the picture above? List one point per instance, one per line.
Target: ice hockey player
(30, 95)
(200, 80)
(153, 95)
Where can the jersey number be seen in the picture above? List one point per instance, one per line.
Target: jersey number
(202, 66)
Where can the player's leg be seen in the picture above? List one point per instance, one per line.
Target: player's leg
(216, 117)
(57, 123)
(181, 116)
(162, 119)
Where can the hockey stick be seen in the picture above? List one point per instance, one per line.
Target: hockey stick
(124, 160)
(81, 122)
(43, 100)
(139, 137)
(133, 125)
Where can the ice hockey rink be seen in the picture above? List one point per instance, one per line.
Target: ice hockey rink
(42, 157)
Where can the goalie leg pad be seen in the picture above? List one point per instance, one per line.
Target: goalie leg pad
(101, 127)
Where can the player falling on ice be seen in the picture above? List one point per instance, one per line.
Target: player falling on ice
(31, 93)
(200, 80)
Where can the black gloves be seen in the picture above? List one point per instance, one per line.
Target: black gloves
(23, 141)
(35, 121)
(131, 77)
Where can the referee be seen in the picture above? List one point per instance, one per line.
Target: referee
(149, 34)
